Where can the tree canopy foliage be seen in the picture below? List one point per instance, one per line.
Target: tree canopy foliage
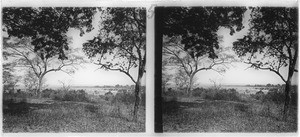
(47, 26)
(20, 53)
(272, 43)
(187, 66)
(121, 43)
(36, 38)
(198, 26)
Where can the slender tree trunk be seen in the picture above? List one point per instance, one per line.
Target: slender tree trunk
(288, 88)
(137, 100)
(287, 98)
(137, 93)
(38, 90)
(190, 85)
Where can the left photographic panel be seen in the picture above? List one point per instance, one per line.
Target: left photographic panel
(73, 69)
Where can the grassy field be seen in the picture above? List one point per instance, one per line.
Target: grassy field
(48, 115)
(244, 114)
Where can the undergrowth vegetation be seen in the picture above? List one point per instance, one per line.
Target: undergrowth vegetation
(71, 111)
(226, 110)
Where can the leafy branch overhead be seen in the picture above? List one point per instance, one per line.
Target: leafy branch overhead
(121, 43)
(272, 41)
(36, 38)
(47, 26)
(198, 26)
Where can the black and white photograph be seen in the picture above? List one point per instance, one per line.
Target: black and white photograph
(226, 69)
(73, 69)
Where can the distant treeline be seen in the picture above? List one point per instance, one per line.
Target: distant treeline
(267, 85)
(110, 86)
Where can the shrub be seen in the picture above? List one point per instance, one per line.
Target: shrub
(174, 93)
(171, 106)
(75, 95)
(128, 98)
(91, 108)
(241, 107)
(125, 97)
(72, 95)
(277, 95)
(13, 107)
(47, 93)
(198, 92)
(217, 94)
(108, 96)
(274, 96)
(267, 109)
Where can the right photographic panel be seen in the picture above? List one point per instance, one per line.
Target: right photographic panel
(226, 69)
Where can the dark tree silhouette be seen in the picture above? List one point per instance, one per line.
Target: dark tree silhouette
(272, 43)
(121, 44)
(47, 26)
(22, 53)
(42, 32)
(197, 27)
(188, 65)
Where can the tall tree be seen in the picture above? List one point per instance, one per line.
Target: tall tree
(197, 28)
(272, 43)
(22, 53)
(188, 64)
(44, 29)
(121, 44)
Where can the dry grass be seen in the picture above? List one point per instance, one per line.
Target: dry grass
(68, 116)
(226, 116)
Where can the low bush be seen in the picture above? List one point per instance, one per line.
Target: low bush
(128, 98)
(75, 95)
(108, 96)
(170, 106)
(274, 96)
(267, 109)
(217, 94)
(125, 97)
(174, 93)
(199, 92)
(71, 95)
(14, 107)
(277, 96)
(91, 108)
(47, 93)
(241, 107)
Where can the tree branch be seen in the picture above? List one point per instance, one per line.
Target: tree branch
(115, 69)
(266, 68)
